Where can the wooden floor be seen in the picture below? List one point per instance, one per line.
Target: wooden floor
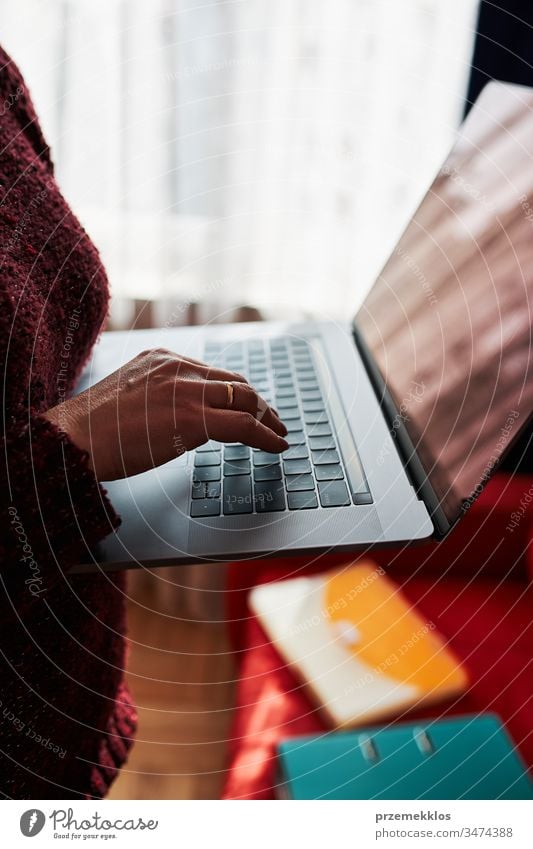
(181, 674)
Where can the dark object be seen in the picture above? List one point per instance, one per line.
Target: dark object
(302, 500)
(269, 497)
(205, 507)
(333, 494)
(237, 495)
(504, 46)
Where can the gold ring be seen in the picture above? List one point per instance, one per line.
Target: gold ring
(229, 399)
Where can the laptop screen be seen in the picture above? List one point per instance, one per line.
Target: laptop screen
(448, 321)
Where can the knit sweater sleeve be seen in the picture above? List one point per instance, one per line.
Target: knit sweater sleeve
(54, 510)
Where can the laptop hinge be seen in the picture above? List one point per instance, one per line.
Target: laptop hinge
(413, 466)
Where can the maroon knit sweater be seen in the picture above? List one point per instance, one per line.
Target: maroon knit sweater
(66, 719)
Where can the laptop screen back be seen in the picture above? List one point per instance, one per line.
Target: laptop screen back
(448, 321)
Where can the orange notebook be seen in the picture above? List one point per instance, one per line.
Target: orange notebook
(362, 650)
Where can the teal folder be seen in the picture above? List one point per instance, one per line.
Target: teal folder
(467, 757)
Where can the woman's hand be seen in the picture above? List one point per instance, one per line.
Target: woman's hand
(160, 405)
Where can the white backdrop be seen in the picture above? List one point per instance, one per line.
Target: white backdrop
(259, 151)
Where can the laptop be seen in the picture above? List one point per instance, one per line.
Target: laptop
(397, 417)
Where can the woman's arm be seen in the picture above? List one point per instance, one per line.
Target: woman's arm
(159, 405)
(52, 510)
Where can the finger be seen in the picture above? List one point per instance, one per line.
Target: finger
(245, 399)
(236, 426)
(208, 372)
(186, 367)
(214, 372)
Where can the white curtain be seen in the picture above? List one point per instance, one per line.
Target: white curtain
(266, 152)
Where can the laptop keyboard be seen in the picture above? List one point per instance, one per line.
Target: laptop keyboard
(234, 479)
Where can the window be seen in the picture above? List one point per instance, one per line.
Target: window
(253, 152)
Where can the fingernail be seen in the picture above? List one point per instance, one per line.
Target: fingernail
(284, 443)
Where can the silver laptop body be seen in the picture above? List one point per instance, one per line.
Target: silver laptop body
(397, 419)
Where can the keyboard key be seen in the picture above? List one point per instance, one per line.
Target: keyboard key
(293, 425)
(297, 467)
(313, 406)
(302, 500)
(212, 489)
(286, 404)
(292, 402)
(311, 395)
(297, 452)
(285, 392)
(315, 418)
(288, 413)
(237, 495)
(362, 498)
(333, 494)
(297, 483)
(236, 452)
(282, 373)
(205, 507)
(269, 497)
(283, 382)
(319, 430)
(321, 443)
(209, 446)
(263, 458)
(267, 473)
(329, 473)
(296, 437)
(237, 467)
(198, 489)
(208, 458)
(321, 458)
(207, 473)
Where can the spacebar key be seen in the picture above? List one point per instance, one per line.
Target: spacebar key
(237, 495)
